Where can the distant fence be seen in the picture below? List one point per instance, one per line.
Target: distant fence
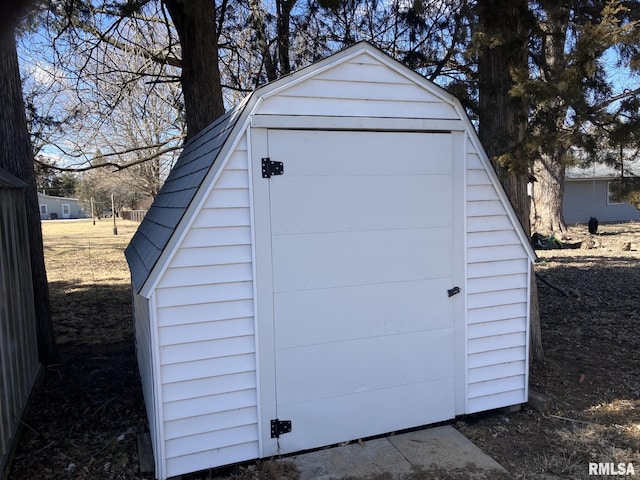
(133, 215)
(19, 365)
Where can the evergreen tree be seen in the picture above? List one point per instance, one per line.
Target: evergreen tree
(575, 102)
(501, 42)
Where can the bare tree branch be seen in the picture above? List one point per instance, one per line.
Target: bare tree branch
(100, 161)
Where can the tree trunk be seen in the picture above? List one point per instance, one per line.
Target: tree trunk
(16, 158)
(257, 18)
(547, 193)
(503, 116)
(284, 8)
(536, 353)
(551, 113)
(195, 22)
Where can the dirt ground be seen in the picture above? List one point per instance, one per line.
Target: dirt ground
(88, 411)
(591, 369)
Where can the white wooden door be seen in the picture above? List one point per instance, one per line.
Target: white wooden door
(361, 233)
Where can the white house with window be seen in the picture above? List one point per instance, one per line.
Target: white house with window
(588, 193)
(52, 208)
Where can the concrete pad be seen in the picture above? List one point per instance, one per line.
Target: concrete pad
(444, 448)
(441, 450)
(354, 460)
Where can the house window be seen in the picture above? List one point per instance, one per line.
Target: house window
(43, 209)
(614, 196)
(65, 210)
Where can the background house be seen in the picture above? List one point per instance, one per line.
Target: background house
(588, 193)
(52, 208)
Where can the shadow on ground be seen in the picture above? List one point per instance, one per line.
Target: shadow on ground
(84, 419)
(91, 314)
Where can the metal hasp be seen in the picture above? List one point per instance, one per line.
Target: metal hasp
(270, 168)
(280, 427)
(453, 291)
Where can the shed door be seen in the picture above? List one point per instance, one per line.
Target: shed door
(361, 249)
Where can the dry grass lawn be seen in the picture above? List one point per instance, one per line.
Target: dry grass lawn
(76, 250)
(84, 420)
(89, 279)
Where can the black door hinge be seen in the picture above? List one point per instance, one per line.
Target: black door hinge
(280, 427)
(453, 291)
(270, 168)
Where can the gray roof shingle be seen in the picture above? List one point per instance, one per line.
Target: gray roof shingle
(175, 196)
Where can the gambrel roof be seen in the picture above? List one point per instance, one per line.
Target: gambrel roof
(168, 216)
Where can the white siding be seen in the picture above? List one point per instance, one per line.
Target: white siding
(205, 361)
(497, 297)
(359, 87)
(206, 332)
(144, 352)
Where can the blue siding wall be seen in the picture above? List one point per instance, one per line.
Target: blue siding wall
(588, 198)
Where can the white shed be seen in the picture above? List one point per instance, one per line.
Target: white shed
(333, 259)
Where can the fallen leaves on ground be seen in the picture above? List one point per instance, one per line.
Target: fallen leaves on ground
(86, 415)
